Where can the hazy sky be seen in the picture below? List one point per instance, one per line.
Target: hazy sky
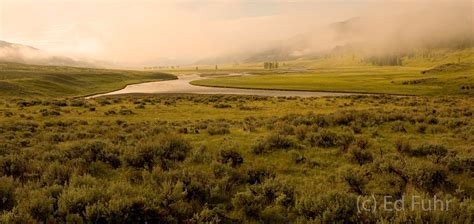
(141, 31)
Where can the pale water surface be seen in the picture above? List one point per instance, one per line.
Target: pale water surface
(182, 85)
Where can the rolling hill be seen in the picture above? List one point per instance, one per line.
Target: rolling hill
(19, 80)
(19, 53)
(363, 36)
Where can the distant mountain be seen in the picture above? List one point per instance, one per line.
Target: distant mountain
(369, 36)
(12, 52)
(299, 46)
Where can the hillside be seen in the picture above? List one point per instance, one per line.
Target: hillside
(54, 81)
(369, 36)
(19, 53)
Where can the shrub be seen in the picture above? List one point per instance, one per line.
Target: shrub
(59, 103)
(362, 143)
(15, 166)
(429, 149)
(356, 181)
(385, 183)
(40, 205)
(298, 158)
(345, 139)
(163, 151)
(320, 120)
(56, 173)
(402, 145)
(218, 130)
(25, 103)
(257, 202)
(360, 155)
(126, 112)
(279, 142)
(222, 106)
(74, 201)
(326, 139)
(333, 207)
(429, 177)
(143, 156)
(78, 103)
(55, 138)
(257, 174)
(421, 128)
(284, 129)
(201, 155)
(247, 204)
(92, 151)
(7, 193)
(272, 143)
(8, 114)
(249, 108)
(459, 163)
(323, 139)
(431, 120)
(110, 112)
(183, 130)
(356, 128)
(103, 101)
(343, 118)
(140, 106)
(46, 113)
(301, 131)
(231, 156)
(207, 216)
(399, 127)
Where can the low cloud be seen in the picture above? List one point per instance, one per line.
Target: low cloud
(149, 32)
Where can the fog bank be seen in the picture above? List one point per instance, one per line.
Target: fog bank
(143, 32)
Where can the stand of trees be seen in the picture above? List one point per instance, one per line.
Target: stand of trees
(270, 65)
(160, 67)
(387, 60)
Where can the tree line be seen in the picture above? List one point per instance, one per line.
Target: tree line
(270, 65)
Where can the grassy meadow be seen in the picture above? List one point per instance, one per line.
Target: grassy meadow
(53, 81)
(233, 159)
(145, 158)
(440, 73)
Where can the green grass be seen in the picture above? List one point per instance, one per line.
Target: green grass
(354, 73)
(366, 79)
(75, 160)
(159, 159)
(54, 81)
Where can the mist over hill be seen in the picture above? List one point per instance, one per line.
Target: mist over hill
(374, 34)
(19, 53)
(304, 32)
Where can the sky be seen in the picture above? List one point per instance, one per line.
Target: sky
(143, 30)
(181, 31)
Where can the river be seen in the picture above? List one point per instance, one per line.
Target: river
(182, 85)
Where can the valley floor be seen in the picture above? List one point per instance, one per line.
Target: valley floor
(449, 80)
(191, 158)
